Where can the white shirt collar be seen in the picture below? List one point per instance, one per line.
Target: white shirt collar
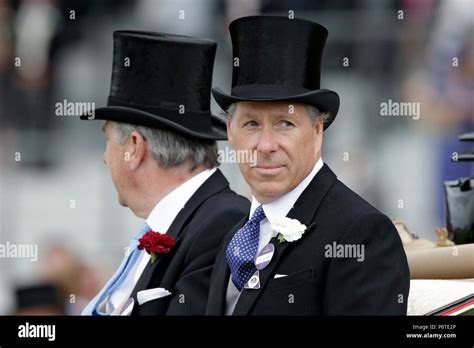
(282, 206)
(167, 209)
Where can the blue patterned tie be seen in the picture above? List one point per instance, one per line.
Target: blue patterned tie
(243, 248)
(127, 263)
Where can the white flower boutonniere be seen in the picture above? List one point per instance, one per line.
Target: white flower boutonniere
(288, 230)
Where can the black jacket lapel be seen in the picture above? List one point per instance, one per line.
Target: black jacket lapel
(220, 276)
(213, 185)
(304, 211)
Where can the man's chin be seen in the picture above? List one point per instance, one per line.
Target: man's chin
(267, 193)
(122, 202)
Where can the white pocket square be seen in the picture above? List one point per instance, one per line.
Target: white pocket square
(279, 276)
(151, 294)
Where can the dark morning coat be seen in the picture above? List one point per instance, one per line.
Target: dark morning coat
(185, 271)
(317, 284)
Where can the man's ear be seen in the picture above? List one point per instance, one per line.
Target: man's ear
(319, 130)
(319, 127)
(137, 150)
(229, 130)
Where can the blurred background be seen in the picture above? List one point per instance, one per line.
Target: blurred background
(56, 194)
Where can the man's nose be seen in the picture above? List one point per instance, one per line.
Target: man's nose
(267, 142)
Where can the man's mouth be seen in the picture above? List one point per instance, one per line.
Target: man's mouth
(267, 169)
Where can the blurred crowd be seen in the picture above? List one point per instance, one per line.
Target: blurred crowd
(55, 50)
(64, 286)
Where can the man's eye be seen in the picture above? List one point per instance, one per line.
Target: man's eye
(250, 124)
(287, 124)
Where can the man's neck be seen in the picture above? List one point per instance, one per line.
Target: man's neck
(158, 186)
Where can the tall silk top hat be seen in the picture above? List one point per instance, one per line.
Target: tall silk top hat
(163, 81)
(278, 59)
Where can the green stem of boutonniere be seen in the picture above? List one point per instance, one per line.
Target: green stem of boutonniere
(281, 239)
(154, 257)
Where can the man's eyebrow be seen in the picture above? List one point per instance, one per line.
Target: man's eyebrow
(277, 114)
(284, 114)
(248, 114)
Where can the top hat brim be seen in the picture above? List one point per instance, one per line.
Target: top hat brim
(323, 99)
(142, 118)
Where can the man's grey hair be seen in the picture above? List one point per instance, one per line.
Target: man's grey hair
(313, 112)
(171, 149)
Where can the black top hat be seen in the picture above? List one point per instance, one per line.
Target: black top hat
(279, 59)
(44, 295)
(163, 80)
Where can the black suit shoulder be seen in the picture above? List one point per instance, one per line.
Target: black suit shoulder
(382, 266)
(213, 219)
(349, 203)
(204, 233)
(348, 209)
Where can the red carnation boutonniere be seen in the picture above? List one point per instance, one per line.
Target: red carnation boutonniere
(156, 243)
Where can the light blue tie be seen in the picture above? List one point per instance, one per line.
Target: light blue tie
(242, 249)
(127, 263)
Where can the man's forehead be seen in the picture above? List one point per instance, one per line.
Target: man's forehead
(257, 108)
